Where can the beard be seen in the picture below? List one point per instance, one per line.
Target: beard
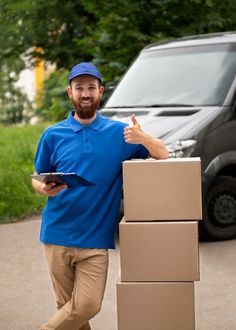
(86, 111)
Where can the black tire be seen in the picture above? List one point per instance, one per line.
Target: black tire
(219, 211)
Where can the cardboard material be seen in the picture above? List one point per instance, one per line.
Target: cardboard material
(160, 190)
(153, 306)
(159, 251)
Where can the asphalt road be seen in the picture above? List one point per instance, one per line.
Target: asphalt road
(27, 299)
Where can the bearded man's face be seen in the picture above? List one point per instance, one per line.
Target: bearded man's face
(85, 93)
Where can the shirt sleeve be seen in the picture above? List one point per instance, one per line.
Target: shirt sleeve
(135, 151)
(141, 152)
(42, 158)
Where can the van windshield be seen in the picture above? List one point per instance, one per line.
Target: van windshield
(196, 75)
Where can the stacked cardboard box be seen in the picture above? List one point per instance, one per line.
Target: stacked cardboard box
(159, 251)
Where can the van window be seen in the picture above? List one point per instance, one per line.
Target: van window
(198, 75)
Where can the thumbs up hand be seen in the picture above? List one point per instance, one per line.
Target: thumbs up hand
(133, 134)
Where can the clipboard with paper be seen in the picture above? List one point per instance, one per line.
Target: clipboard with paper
(70, 179)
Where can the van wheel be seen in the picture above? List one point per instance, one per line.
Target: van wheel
(219, 210)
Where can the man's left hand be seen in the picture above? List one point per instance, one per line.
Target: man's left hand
(133, 134)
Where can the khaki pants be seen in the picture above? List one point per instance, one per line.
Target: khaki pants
(78, 278)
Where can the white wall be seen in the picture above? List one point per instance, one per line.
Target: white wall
(27, 83)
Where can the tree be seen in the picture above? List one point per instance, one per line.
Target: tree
(57, 28)
(55, 103)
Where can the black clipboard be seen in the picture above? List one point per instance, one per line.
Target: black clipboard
(70, 179)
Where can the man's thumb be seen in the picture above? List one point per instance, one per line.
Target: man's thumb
(134, 121)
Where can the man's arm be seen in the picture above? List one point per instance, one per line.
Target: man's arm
(134, 134)
(50, 189)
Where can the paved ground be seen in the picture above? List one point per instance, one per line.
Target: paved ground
(27, 299)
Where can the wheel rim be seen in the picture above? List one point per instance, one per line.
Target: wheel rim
(222, 209)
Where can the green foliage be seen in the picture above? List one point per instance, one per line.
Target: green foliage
(108, 32)
(124, 27)
(55, 103)
(17, 149)
(55, 26)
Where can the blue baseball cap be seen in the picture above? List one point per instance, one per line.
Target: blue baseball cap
(85, 68)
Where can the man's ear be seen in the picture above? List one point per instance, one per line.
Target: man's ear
(101, 90)
(69, 91)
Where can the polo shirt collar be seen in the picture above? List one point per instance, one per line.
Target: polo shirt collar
(77, 126)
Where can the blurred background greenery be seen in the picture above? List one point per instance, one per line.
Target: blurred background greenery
(17, 148)
(61, 34)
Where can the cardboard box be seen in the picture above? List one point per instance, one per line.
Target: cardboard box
(155, 306)
(159, 251)
(167, 189)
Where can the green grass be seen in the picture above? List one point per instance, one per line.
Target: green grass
(17, 150)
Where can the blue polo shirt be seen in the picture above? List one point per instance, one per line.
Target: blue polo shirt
(84, 217)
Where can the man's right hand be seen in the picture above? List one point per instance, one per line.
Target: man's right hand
(52, 189)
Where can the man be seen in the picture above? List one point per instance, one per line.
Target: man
(79, 224)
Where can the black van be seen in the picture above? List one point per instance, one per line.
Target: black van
(184, 92)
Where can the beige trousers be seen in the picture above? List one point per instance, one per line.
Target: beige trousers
(78, 277)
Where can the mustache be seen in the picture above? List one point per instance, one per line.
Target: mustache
(84, 98)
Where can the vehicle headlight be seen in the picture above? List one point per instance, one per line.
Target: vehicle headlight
(181, 148)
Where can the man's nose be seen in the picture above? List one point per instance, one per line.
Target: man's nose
(85, 93)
